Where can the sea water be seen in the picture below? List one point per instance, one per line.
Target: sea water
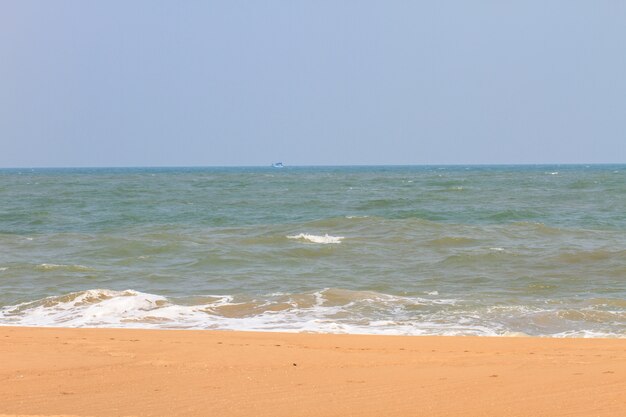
(428, 250)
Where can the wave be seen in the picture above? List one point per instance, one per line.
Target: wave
(513, 215)
(590, 256)
(451, 241)
(381, 203)
(49, 267)
(326, 239)
(329, 310)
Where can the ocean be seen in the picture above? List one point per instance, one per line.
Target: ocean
(416, 250)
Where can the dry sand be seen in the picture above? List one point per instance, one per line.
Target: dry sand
(116, 372)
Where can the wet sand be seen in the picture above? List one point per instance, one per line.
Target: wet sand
(120, 372)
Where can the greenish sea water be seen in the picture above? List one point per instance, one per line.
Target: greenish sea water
(470, 250)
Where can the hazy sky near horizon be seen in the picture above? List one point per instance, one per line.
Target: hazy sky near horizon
(156, 83)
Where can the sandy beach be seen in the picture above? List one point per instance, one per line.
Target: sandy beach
(121, 372)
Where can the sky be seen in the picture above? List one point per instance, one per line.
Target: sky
(208, 83)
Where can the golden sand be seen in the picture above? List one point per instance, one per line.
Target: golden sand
(118, 372)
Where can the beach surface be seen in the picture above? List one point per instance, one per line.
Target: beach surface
(126, 372)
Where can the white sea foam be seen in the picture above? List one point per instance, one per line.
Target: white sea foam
(50, 266)
(514, 334)
(585, 334)
(326, 311)
(326, 239)
(4, 268)
(329, 310)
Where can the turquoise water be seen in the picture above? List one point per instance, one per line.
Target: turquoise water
(482, 250)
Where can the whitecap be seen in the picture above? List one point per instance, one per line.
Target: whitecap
(49, 266)
(326, 239)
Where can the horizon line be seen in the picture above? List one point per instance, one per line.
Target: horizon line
(316, 165)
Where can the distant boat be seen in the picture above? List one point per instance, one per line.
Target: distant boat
(278, 165)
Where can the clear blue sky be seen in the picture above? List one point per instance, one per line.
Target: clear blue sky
(155, 83)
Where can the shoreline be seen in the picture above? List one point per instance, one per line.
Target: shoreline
(145, 372)
(507, 335)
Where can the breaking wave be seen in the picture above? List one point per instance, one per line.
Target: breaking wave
(326, 239)
(330, 310)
